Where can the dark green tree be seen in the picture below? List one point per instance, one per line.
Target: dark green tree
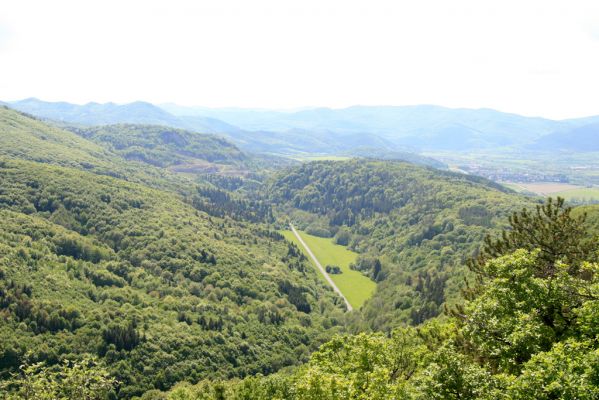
(551, 229)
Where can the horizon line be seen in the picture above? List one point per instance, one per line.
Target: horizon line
(291, 109)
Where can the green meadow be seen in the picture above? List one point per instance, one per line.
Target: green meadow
(582, 195)
(356, 287)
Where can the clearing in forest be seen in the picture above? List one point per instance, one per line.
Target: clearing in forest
(356, 287)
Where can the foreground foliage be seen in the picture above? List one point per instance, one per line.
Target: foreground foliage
(119, 277)
(83, 379)
(521, 334)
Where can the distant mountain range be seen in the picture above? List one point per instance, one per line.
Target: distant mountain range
(332, 131)
(138, 112)
(406, 122)
(583, 138)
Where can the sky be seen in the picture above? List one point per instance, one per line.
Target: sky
(529, 57)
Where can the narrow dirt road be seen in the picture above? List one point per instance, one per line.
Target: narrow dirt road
(324, 272)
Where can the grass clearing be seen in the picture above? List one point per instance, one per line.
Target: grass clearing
(356, 287)
(580, 195)
(574, 193)
(541, 188)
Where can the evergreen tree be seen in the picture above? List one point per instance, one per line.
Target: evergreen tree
(552, 230)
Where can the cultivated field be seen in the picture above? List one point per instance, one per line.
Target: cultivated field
(541, 188)
(573, 193)
(584, 195)
(355, 287)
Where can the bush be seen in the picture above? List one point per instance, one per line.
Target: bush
(333, 269)
(319, 231)
(343, 236)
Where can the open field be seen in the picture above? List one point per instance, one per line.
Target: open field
(355, 287)
(572, 193)
(542, 188)
(584, 195)
(504, 164)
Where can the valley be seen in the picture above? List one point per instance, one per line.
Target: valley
(523, 167)
(161, 258)
(299, 200)
(353, 285)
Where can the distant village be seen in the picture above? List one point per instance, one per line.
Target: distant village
(507, 175)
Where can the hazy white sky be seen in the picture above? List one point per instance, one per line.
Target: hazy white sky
(525, 56)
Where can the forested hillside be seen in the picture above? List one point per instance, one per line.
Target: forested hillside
(299, 200)
(420, 224)
(25, 137)
(209, 186)
(162, 277)
(120, 276)
(527, 329)
(162, 146)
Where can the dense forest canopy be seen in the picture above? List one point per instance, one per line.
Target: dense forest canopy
(160, 290)
(162, 146)
(415, 226)
(161, 276)
(124, 275)
(527, 330)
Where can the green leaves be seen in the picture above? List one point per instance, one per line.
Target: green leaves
(570, 370)
(518, 314)
(552, 230)
(421, 224)
(529, 331)
(452, 375)
(72, 380)
(98, 254)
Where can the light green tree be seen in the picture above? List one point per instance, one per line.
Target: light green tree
(72, 380)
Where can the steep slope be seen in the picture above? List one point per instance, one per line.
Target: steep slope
(161, 291)
(161, 276)
(420, 224)
(23, 136)
(207, 185)
(162, 146)
(134, 152)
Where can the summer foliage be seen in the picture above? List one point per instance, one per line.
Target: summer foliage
(413, 227)
(161, 283)
(356, 287)
(123, 276)
(527, 331)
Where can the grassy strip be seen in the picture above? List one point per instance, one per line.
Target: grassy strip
(356, 287)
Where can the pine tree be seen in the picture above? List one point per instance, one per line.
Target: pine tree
(551, 229)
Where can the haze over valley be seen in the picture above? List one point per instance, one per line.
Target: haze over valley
(305, 201)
